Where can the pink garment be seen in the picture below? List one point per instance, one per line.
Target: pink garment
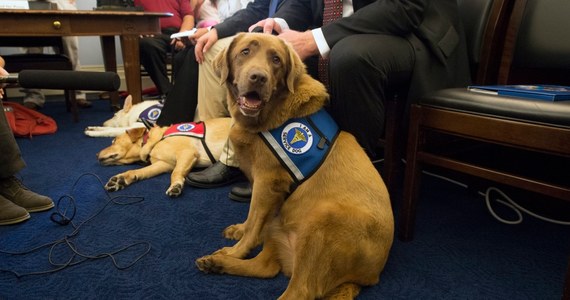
(206, 14)
(206, 23)
(178, 9)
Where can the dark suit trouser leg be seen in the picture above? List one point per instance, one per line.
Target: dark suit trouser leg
(362, 68)
(153, 52)
(180, 104)
(11, 161)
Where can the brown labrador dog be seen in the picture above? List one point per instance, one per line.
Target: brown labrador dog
(332, 232)
(177, 154)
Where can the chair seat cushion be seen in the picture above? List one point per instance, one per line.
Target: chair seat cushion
(553, 113)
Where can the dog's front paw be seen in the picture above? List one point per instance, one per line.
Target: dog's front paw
(234, 232)
(207, 264)
(224, 251)
(174, 190)
(91, 131)
(93, 128)
(115, 183)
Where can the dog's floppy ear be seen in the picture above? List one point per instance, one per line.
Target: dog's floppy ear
(221, 67)
(136, 133)
(296, 68)
(221, 62)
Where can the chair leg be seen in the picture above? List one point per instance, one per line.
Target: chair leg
(71, 104)
(412, 179)
(393, 144)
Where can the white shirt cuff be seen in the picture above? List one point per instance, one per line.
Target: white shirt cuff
(321, 42)
(282, 23)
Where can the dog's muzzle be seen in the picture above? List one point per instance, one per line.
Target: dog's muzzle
(250, 104)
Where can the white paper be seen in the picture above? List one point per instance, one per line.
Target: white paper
(14, 4)
(187, 33)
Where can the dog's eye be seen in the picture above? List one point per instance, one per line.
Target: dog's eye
(245, 51)
(276, 60)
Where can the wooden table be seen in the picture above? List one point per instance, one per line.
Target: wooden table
(128, 25)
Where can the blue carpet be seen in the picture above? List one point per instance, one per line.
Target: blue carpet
(459, 250)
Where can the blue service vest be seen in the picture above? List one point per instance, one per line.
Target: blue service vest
(151, 114)
(302, 144)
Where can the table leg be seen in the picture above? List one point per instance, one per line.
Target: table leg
(110, 62)
(132, 65)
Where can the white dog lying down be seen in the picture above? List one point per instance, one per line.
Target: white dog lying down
(126, 118)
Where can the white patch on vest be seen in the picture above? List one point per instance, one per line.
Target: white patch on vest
(185, 127)
(296, 138)
(153, 114)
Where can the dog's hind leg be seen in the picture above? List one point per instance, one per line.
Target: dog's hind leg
(234, 232)
(184, 163)
(331, 257)
(125, 179)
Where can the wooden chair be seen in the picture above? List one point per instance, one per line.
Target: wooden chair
(535, 51)
(484, 29)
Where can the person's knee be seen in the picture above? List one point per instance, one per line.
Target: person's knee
(146, 45)
(371, 54)
(344, 57)
(218, 47)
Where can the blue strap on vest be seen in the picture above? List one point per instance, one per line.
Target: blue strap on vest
(302, 144)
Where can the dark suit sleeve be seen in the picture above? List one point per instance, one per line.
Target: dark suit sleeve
(301, 15)
(239, 22)
(381, 16)
(435, 22)
(395, 17)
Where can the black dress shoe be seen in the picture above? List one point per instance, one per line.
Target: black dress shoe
(241, 192)
(215, 175)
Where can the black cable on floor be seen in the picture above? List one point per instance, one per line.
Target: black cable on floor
(64, 215)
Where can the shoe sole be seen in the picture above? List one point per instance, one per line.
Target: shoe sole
(211, 185)
(15, 220)
(40, 208)
(240, 199)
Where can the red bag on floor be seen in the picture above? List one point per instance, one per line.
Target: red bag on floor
(27, 122)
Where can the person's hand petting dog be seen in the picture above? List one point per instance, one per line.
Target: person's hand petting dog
(303, 42)
(204, 43)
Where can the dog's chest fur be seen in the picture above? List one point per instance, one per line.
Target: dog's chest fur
(252, 151)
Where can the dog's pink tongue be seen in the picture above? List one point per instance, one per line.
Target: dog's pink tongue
(250, 102)
(253, 102)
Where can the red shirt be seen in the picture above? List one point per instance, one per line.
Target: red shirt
(179, 9)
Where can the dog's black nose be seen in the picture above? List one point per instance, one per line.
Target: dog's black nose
(257, 77)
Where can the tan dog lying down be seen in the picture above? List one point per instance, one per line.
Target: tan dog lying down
(178, 153)
(333, 232)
